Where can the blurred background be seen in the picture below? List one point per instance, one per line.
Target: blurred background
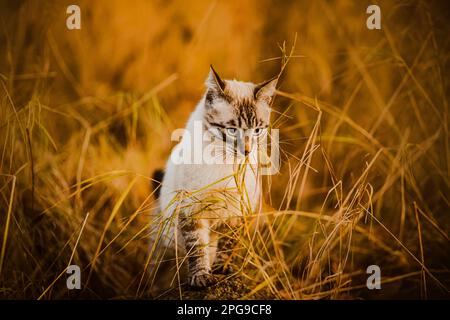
(86, 117)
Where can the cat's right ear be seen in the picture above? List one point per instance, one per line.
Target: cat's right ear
(214, 82)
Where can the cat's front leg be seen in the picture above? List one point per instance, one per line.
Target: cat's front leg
(196, 237)
(223, 263)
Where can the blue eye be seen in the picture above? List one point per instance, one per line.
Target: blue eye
(257, 131)
(232, 131)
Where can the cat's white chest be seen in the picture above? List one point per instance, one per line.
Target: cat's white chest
(207, 179)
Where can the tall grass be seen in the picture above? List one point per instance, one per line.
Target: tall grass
(86, 117)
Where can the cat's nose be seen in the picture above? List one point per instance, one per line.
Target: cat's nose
(247, 146)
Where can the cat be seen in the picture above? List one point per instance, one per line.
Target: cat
(205, 202)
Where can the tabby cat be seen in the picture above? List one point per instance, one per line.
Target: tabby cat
(204, 200)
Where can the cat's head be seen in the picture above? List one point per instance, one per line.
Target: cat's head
(238, 112)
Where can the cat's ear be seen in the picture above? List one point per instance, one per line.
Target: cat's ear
(214, 82)
(266, 89)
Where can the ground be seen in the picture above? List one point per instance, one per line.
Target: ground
(225, 289)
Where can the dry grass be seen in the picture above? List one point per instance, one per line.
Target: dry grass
(86, 118)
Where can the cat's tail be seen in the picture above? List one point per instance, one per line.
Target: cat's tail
(158, 176)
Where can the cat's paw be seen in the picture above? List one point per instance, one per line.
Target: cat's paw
(202, 280)
(225, 269)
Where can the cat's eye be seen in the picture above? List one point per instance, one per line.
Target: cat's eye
(258, 131)
(232, 131)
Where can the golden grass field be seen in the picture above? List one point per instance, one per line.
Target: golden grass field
(86, 117)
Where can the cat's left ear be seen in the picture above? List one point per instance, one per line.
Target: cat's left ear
(266, 90)
(214, 82)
